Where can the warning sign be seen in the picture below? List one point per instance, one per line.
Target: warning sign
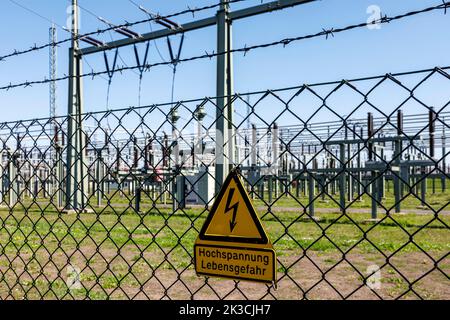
(231, 262)
(233, 243)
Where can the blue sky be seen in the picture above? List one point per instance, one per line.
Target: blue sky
(412, 43)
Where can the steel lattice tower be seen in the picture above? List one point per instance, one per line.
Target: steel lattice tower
(53, 71)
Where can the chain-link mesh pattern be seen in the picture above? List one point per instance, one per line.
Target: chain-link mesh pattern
(350, 180)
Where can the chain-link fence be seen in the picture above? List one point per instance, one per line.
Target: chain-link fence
(349, 178)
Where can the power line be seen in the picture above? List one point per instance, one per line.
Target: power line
(151, 30)
(100, 31)
(284, 42)
(40, 16)
(119, 56)
(441, 70)
(134, 3)
(107, 23)
(31, 11)
(174, 64)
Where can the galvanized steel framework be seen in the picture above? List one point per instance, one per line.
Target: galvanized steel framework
(137, 229)
(224, 126)
(325, 190)
(77, 182)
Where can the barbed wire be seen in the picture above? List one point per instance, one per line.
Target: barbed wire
(441, 70)
(346, 182)
(284, 42)
(190, 10)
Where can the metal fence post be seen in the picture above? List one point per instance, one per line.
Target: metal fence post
(311, 193)
(397, 161)
(77, 181)
(99, 176)
(59, 177)
(224, 125)
(444, 156)
(374, 195)
(2, 171)
(12, 179)
(342, 178)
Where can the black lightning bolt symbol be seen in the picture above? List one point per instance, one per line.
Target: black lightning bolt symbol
(234, 207)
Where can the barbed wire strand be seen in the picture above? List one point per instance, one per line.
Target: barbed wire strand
(284, 42)
(35, 47)
(441, 70)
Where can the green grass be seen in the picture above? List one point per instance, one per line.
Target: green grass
(174, 230)
(287, 199)
(114, 244)
(438, 200)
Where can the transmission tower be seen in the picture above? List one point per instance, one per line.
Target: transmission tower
(53, 72)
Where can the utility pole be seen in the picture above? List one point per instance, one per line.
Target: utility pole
(76, 180)
(224, 126)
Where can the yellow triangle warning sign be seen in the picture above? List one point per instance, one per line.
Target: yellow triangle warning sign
(232, 242)
(232, 217)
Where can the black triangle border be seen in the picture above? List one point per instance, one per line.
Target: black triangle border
(203, 236)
